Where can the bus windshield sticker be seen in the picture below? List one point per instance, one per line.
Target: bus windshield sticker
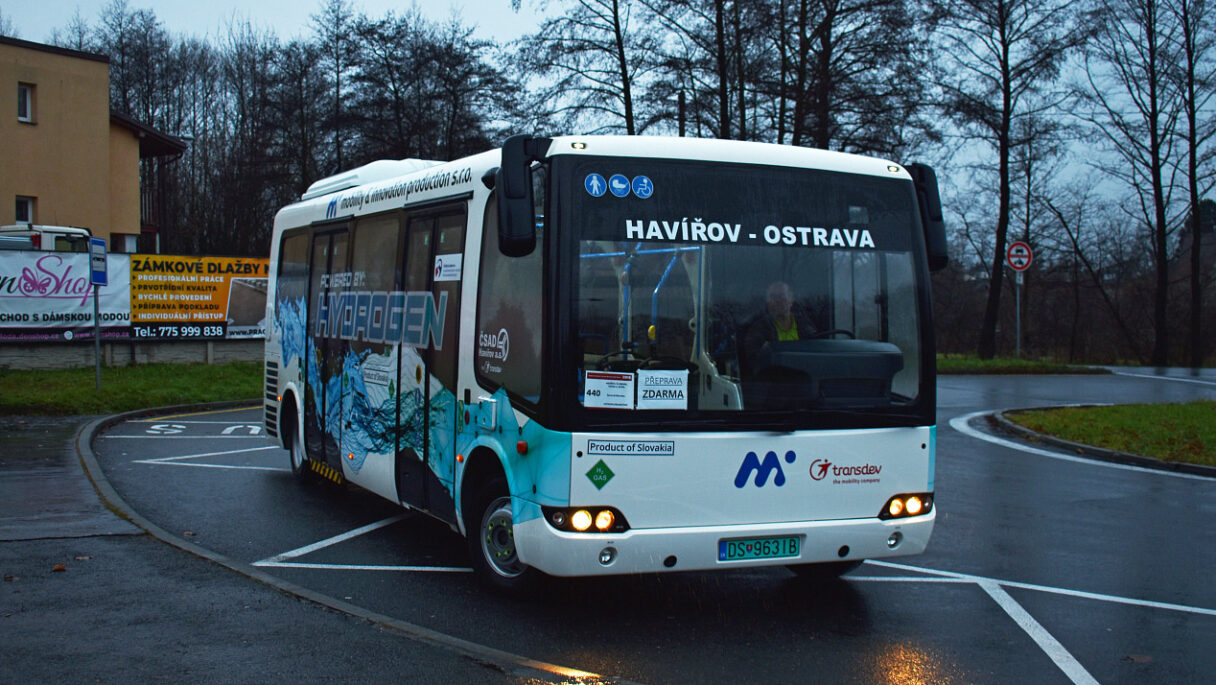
(663, 389)
(609, 390)
(447, 267)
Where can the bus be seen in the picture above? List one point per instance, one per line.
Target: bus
(595, 355)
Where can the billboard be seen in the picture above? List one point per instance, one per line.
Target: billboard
(47, 296)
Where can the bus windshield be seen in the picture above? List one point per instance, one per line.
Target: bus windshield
(713, 288)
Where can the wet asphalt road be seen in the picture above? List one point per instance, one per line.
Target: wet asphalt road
(1040, 569)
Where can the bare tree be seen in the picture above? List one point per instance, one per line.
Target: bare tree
(1133, 108)
(995, 55)
(333, 28)
(1196, 84)
(592, 58)
(6, 26)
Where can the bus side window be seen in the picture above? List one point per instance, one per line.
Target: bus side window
(509, 304)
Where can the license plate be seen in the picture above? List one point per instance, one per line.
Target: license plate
(758, 548)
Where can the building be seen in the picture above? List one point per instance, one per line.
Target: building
(66, 158)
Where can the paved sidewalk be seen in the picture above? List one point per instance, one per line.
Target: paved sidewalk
(88, 597)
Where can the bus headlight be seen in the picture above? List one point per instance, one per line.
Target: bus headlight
(581, 520)
(586, 519)
(903, 506)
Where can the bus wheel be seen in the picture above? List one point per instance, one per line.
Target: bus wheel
(492, 542)
(823, 571)
(302, 472)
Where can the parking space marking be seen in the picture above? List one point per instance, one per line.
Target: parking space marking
(1080, 594)
(360, 567)
(327, 542)
(1049, 644)
(180, 460)
(960, 424)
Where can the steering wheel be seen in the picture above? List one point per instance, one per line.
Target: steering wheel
(666, 363)
(608, 363)
(834, 331)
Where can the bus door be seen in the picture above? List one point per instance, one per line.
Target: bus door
(325, 353)
(426, 455)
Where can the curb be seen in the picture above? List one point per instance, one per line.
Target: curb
(505, 662)
(1003, 424)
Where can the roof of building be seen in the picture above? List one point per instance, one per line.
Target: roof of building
(152, 143)
(54, 49)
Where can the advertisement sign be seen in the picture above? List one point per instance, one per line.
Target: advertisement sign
(48, 296)
(176, 297)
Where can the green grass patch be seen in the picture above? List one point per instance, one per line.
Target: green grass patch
(68, 392)
(971, 364)
(1170, 432)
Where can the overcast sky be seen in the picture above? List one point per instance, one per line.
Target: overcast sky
(34, 20)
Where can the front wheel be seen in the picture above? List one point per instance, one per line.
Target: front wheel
(299, 466)
(492, 542)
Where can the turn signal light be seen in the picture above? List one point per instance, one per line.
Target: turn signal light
(903, 506)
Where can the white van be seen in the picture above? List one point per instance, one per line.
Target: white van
(38, 237)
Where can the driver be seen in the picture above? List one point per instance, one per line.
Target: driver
(779, 322)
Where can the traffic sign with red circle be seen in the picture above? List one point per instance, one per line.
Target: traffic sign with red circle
(1018, 256)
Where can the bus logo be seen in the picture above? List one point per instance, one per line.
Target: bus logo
(819, 468)
(332, 210)
(752, 464)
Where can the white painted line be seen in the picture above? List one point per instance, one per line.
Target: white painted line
(959, 423)
(1051, 646)
(301, 551)
(359, 567)
(180, 437)
(1163, 378)
(907, 579)
(162, 419)
(1081, 594)
(161, 460)
(229, 467)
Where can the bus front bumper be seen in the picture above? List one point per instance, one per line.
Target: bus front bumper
(697, 548)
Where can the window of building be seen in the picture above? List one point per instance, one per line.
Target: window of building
(25, 102)
(25, 210)
(124, 243)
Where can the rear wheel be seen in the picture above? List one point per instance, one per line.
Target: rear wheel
(491, 539)
(824, 571)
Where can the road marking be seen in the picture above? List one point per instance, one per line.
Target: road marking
(307, 549)
(1082, 594)
(178, 436)
(1048, 643)
(207, 413)
(1163, 378)
(179, 461)
(161, 419)
(959, 423)
(361, 567)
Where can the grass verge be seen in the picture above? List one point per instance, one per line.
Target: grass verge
(1170, 432)
(970, 364)
(67, 392)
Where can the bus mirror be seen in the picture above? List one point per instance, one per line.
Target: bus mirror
(930, 202)
(516, 212)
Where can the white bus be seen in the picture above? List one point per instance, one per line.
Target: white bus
(599, 355)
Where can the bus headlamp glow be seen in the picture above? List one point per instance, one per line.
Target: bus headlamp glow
(586, 519)
(896, 507)
(581, 520)
(604, 520)
(579, 146)
(903, 506)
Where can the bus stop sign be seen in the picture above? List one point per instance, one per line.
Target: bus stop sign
(1018, 256)
(97, 261)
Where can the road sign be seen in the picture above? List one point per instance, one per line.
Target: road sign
(97, 261)
(1018, 256)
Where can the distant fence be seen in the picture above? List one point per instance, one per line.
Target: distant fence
(152, 306)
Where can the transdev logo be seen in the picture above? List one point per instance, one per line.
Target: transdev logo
(763, 469)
